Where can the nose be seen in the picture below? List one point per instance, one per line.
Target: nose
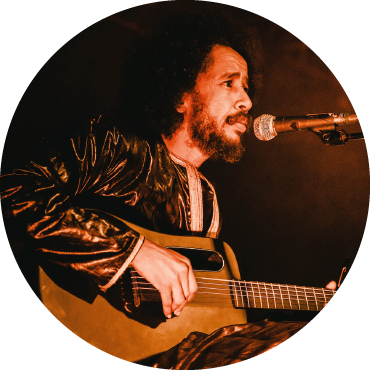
(243, 101)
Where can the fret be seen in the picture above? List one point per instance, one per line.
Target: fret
(267, 296)
(304, 290)
(259, 293)
(246, 292)
(290, 302)
(236, 299)
(296, 293)
(314, 293)
(241, 293)
(294, 297)
(273, 294)
(254, 295)
(254, 298)
(281, 295)
(323, 292)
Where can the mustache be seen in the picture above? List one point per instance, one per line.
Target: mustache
(240, 117)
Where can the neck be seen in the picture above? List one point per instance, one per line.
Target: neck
(183, 146)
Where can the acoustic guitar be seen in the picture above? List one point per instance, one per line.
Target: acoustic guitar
(132, 326)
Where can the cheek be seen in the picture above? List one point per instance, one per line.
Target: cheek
(220, 110)
(218, 105)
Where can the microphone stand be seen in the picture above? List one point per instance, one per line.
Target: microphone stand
(334, 137)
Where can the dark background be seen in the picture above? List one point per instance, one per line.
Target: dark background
(293, 209)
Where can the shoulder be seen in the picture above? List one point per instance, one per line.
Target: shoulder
(103, 137)
(100, 132)
(124, 137)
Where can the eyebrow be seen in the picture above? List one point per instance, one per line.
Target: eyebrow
(233, 75)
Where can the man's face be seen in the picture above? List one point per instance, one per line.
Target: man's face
(219, 105)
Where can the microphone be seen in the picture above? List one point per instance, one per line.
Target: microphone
(266, 127)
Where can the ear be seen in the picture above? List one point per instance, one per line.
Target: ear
(183, 105)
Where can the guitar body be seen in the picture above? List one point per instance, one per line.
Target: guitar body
(122, 334)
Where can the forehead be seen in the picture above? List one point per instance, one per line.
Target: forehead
(226, 60)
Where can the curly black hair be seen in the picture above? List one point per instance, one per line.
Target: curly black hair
(160, 72)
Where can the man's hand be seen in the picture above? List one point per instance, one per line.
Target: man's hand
(168, 271)
(332, 285)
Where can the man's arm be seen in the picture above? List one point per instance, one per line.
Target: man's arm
(44, 200)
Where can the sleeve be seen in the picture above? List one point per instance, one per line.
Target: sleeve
(43, 200)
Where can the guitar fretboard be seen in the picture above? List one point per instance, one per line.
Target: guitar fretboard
(251, 294)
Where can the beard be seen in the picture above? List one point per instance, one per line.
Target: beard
(211, 139)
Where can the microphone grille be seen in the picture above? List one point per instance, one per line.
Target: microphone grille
(264, 128)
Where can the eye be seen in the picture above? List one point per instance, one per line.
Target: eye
(228, 83)
(246, 89)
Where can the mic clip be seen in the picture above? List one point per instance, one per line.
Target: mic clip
(336, 137)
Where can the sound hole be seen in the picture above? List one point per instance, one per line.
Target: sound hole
(201, 259)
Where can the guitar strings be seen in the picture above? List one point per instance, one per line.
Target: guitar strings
(239, 292)
(257, 301)
(282, 286)
(251, 295)
(275, 290)
(259, 296)
(267, 287)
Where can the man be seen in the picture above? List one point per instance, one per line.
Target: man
(64, 201)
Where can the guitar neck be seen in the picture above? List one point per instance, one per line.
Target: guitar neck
(251, 294)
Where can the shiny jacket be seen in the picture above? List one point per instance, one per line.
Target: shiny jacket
(65, 201)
